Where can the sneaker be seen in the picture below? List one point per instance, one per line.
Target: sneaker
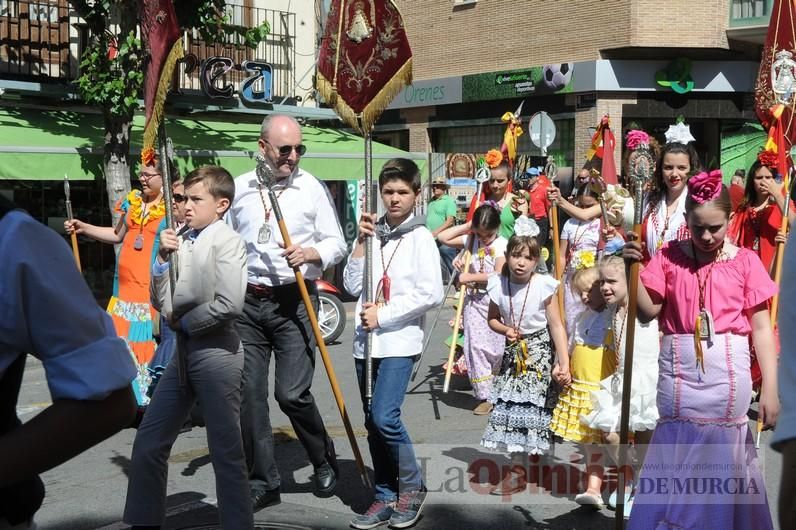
(407, 511)
(378, 514)
(590, 499)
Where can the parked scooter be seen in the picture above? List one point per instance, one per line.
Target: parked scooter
(331, 313)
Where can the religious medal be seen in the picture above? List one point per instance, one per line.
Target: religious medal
(615, 382)
(706, 325)
(138, 244)
(264, 234)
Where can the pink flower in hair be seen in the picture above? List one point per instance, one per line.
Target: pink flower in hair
(704, 187)
(635, 138)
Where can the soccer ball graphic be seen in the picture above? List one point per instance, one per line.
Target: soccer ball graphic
(556, 76)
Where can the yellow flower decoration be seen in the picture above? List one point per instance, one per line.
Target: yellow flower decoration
(584, 259)
(484, 251)
(136, 209)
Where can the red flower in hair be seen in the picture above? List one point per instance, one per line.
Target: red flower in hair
(148, 156)
(704, 187)
(767, 158)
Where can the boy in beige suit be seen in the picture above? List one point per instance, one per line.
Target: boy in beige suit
(209, 296)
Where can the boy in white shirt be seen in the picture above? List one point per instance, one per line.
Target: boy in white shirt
(406, 286)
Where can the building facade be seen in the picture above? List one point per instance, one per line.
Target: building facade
(643, 63)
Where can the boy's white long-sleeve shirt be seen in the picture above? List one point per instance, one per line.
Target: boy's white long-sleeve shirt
(416, 287)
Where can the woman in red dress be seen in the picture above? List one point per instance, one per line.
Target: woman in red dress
(756, 223)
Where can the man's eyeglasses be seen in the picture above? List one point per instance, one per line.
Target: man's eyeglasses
(285, 150)
(178, 198)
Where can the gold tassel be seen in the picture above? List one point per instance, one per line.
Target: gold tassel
(521, 359)
(700, 356)
(151, 129)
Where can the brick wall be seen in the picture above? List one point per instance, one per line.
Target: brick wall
(610, 104)
(679, 23)
(491, 35)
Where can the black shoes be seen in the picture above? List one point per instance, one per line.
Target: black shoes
(326, 478)
(265, 498)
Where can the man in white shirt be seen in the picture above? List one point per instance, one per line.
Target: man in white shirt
(274, 318)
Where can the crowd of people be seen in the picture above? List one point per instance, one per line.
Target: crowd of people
(557, 373)
(545, 357)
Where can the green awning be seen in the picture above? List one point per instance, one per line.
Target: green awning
(45, 144)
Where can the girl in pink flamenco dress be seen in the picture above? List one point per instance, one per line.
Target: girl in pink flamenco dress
(701, 468)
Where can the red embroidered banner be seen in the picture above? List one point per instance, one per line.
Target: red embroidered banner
(161, 33)
(364, 60)
(780, 37)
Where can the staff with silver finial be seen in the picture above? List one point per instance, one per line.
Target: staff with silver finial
(70, 216)
(265, 176)
(642, 165)
(165, 172)
(367, 274)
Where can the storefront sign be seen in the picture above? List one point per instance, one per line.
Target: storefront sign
(257, 88)
(547, 79)
(428, 93)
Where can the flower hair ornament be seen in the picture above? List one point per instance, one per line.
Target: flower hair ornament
(767, 158)
(679, 133)
(525, 226)
(636, 138)
(493, 158)
(583, 259)
(491, 203)
(705, 187)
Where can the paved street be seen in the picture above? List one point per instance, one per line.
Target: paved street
(89, 492)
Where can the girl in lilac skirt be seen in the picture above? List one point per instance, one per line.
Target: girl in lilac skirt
(701, 467)
(483, 348)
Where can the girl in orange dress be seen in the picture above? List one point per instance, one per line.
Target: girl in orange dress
(142, 213)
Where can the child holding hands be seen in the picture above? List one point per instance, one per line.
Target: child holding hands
(522, 308)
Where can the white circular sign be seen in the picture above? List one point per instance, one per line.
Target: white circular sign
(542, 129)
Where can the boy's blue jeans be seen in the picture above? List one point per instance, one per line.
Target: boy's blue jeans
(395, 467)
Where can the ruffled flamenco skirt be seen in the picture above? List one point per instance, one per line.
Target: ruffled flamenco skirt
(701, 469)
(588, 365)
(133, 323)
(523, 396)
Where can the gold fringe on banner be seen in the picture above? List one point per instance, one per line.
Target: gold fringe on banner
(151, 128)
(374, 109)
